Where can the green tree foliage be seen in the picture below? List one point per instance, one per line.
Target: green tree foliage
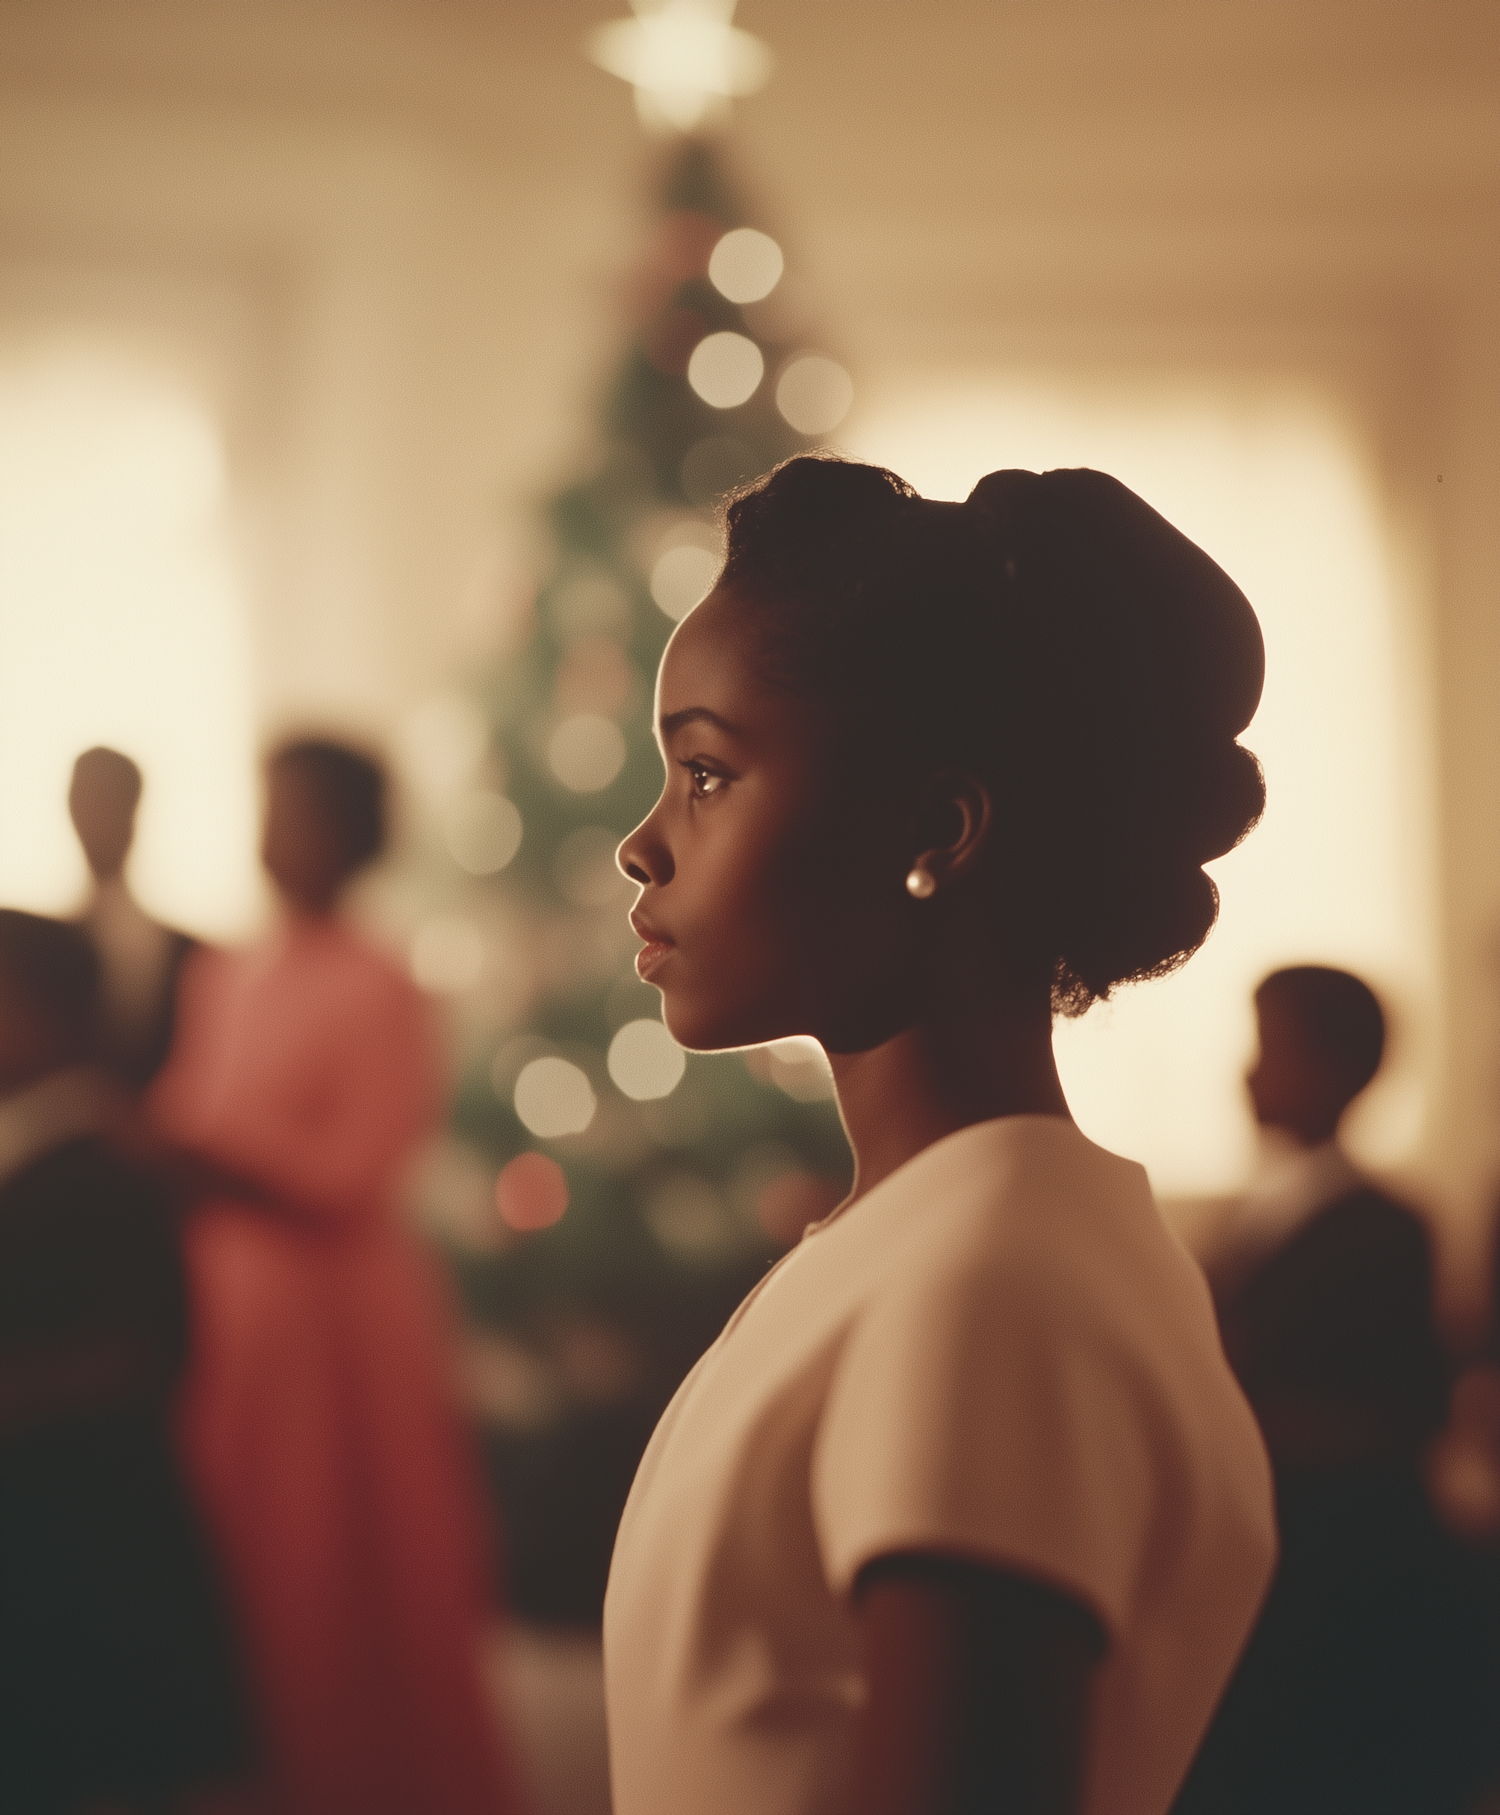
(676, 1203)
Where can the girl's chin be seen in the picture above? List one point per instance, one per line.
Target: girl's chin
(698, 1031)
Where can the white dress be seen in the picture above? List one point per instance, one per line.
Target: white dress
(1000, 1353)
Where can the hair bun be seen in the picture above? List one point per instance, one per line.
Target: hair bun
(1063, 639)
(1111, 574)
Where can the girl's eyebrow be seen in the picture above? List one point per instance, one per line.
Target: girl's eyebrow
(690, 715)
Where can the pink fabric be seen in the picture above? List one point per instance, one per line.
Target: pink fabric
(318, 1417)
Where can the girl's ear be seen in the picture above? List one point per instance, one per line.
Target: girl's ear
(953, 821)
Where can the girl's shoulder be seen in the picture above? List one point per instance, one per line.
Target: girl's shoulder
(1024, 1225)
(1014, 1187)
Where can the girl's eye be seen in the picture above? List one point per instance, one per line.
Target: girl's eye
(703, 781)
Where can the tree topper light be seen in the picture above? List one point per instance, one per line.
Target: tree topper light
(684, 59)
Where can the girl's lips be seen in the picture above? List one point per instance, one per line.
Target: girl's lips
(651, 956)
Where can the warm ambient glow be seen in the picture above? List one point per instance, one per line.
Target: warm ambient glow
(122, 623)
(442, 741)
(1274, 488)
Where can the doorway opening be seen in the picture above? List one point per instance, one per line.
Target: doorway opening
(122, 622)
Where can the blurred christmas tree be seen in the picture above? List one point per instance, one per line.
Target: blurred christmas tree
(644, 1189)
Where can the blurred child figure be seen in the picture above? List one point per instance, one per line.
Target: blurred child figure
(139, 959)
(115, 1676)
(320, 1419)
(1361, 1689)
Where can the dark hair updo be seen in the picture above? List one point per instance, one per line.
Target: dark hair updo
(1338, 1014)
(349, 788)
(1057, 637)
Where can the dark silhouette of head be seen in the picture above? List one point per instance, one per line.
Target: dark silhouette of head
(1054, 636)
(1322, 1037)
(928, 763)
(102, 799)
(325, 819)
(49, 988)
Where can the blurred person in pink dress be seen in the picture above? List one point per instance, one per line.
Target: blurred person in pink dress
(319, 1419)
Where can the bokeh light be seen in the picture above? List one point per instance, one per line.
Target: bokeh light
(587, 752)
(814, 394)
(725, 369)
(553, 1097)
(645, 1061)
(745, 265)
(531, 1192)
(447, 955)
(483, 831)
(683, 577)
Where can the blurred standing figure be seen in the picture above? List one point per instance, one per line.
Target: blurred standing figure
(1362, 1687)
(139, 959)
(319, 1414)
(116, 1673)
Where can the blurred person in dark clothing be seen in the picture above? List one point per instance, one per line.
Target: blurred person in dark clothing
(1363, 1686)
(116, 1682)
(139, 959)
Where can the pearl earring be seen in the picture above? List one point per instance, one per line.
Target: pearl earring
(920, 884)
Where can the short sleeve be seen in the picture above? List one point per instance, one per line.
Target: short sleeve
(986, 1412)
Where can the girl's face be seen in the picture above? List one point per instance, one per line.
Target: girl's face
(772, 899)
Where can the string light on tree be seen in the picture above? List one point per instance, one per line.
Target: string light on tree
(531, 1192)
(649, 1204)
(726, 369)
(746, 265)
(553, 1097)
(645, 1061)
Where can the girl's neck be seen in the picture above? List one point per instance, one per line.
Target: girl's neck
(980, 1048)
(309, 914)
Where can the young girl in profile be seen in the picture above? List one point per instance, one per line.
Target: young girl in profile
(963, 1511)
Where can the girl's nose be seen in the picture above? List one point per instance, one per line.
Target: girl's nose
(643, 856)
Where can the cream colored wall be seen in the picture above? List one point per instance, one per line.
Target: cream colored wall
(388, 242)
